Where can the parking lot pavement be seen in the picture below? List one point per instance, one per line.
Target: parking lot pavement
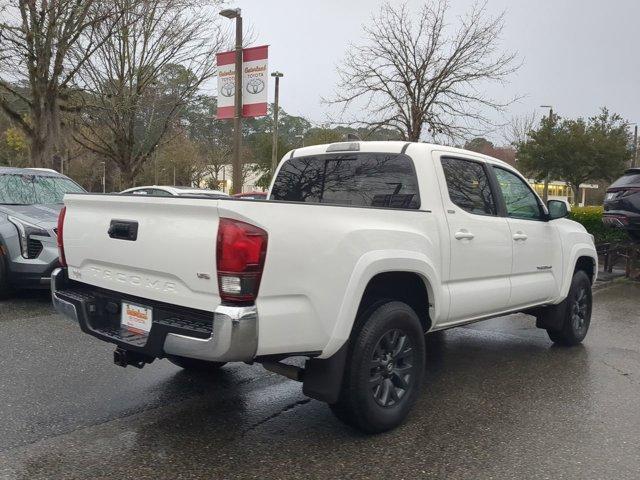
(500, 402)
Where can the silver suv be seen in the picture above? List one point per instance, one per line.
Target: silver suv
(30, 201)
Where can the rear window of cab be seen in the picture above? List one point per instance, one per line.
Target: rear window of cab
(363, 179)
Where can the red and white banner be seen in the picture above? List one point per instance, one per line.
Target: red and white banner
(226, 84)
(254, 82)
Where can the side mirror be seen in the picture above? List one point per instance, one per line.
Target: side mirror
(557, 209)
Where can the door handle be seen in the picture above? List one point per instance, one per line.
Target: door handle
(123, 230)
(464, 234)
(519, 236)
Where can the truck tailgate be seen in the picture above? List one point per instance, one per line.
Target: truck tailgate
(172, 259)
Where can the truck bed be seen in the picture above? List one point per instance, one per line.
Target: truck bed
(313, 252)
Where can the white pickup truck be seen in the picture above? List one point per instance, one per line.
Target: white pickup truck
(360, 249)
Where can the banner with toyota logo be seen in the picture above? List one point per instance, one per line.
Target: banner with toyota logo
(254, 82)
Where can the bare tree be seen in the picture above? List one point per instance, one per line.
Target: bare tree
(43, 43)
(412, 72)
(517, 130)
(212, 136)
(140, 79)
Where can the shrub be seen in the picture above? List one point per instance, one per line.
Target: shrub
(591, 219)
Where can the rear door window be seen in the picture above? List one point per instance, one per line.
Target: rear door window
(386, 180)
(469, 186)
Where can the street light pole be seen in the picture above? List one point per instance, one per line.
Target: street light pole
(545, 191)
(237, 119)
(635, 146)
(276, 107)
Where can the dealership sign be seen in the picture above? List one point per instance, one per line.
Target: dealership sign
(254, 82)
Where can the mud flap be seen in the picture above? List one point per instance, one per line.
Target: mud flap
(323, 377)
(551, 317)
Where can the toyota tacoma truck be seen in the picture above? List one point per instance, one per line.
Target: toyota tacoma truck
(360, 250)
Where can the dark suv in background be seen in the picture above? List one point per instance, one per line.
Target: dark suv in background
(30, 201)
(622, 203)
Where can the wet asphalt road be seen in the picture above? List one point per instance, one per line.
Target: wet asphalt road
(500, 403)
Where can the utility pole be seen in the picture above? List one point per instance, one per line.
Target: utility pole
(276, 107)
(237, 119)
(545, 191)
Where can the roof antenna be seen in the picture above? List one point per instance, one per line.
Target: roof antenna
(353, 137)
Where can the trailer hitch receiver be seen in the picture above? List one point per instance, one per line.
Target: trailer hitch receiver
(124, 357)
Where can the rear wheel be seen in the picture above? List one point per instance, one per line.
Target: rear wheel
(384, 368)
(576, 313)
(195, 365)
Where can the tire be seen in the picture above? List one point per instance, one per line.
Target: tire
(576, 312)
(195, 365)
(383, 370)
(5, 288)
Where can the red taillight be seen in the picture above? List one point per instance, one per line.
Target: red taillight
(241, 251)
(63, 260)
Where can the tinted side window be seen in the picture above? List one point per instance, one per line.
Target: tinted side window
(469, 186)
(362, 179)
(520, 200)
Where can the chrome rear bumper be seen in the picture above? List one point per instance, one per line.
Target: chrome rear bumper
(234, 333)
(234, 337)
(64, 307)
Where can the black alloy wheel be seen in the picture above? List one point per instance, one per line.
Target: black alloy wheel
(391, 368)
(384, 368)
(576, 314)
(580, 312)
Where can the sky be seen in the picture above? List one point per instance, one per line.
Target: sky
(577, 55)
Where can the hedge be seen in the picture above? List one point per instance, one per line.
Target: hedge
(591, 219)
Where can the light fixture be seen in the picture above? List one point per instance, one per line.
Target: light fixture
(230, 12)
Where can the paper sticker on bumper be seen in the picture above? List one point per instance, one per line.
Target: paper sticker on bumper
(136, 317)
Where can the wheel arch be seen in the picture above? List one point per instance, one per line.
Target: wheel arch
(588, 265)
(375, 273)
(406, 286)
(583, 257)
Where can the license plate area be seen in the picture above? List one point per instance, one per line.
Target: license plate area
(136, 318)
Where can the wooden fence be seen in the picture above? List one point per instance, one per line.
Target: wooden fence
(623, 255)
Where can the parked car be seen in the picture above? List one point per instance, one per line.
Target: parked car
(30, 201)
(622, 204)
(252, 195)
(165, 191)
(361, 249)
